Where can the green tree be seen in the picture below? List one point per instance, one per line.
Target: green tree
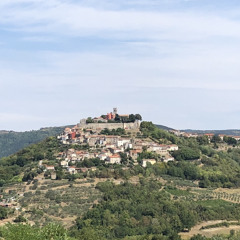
(19, 219)
(29, 176)
(3, 213)
(186, 153)
(124, 158)
(89, 120)
(203, 140)
(138, 117)
(229, 140)
(216, 139)
(20, 232)
(117, 118)
(132, 118)
(53, 231)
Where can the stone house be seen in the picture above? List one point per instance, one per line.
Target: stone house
(49, 168)
(72, 170)
(114, 159)
(146, 161)
(134, 154)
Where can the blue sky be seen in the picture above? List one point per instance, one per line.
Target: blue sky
(174, 61)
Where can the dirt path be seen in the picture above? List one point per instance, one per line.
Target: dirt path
(4, 221)
(208, 232)
(219, 230)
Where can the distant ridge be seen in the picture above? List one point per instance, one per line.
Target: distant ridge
(164, 127)
(234, 132)
(11, 141)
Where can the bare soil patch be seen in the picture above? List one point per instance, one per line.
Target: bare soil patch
(208, 232)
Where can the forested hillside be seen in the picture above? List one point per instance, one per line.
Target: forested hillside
(123, 201)
(11, 142)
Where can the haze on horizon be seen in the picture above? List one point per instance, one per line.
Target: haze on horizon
(176, 62)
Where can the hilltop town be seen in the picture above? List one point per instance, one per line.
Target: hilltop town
(115, 160)
(112, 138)
(116, 139)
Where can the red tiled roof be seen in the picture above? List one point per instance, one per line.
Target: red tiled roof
(115, 156)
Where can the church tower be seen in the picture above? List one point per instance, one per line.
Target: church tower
(115, 111)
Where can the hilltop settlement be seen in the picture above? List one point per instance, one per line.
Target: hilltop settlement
(112, 138)
(118, 177)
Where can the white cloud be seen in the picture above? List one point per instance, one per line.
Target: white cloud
(149, 59)
(66, 18)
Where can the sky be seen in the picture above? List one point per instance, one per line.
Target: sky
(176, 62)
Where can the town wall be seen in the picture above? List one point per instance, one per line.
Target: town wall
(98, 126)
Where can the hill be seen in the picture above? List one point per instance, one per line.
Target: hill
(233, 132)
(108, 201)
(11, 142)
(163, 127)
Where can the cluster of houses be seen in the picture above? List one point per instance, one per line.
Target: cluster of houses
(107, 148)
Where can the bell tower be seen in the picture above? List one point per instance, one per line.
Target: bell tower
(114, 111)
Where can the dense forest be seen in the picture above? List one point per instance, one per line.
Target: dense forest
(140, 210)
